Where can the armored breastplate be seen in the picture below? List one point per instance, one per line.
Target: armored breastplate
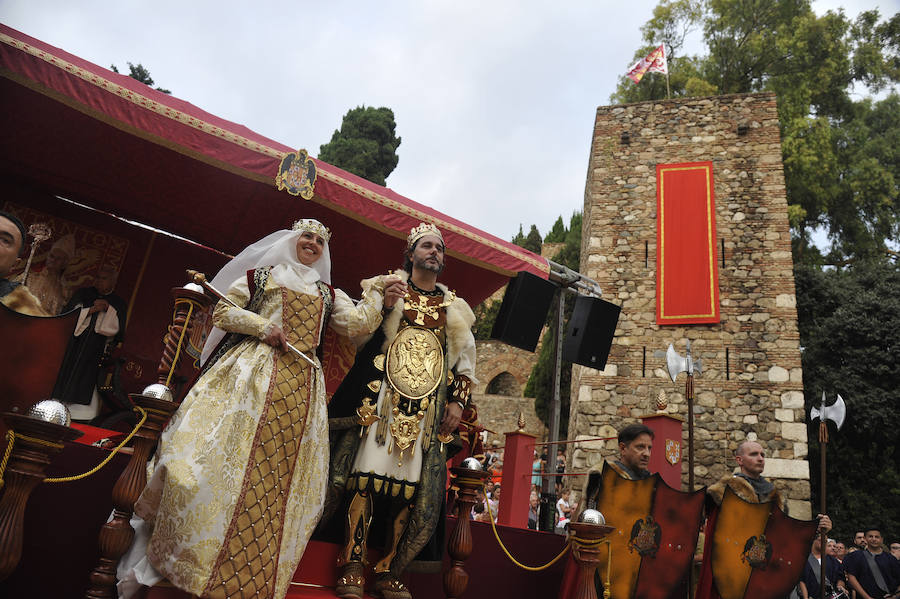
(415, 369)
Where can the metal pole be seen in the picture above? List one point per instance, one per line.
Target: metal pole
(823, 536)
(548, 490)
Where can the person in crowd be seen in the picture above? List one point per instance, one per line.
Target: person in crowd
(241, 468)
(48, 284)
(410, 383)
(810, 581)
(563, 510)
(13, 294)
(534, 503)
(873, 572)
(494, 502)
(895, 549)
(537, 468)
(560, 469)
(859, 539)
(101, 324)
(840, 551)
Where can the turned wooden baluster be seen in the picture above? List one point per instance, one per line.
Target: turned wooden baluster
(116, 535)
(24, 471)
(189, 305)
(586, 550)
(459, 545)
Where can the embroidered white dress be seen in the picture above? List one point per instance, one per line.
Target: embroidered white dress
(240, 478)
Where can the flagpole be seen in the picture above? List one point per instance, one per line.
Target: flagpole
(667, 84)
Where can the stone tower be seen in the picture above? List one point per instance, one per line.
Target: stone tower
(751, 385)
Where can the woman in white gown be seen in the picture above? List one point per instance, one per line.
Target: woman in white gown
(241, 470)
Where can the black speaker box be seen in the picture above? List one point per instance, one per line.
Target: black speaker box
(523, 311)
(590, 332)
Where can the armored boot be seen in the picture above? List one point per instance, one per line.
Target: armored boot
(387, 585)
(352, 558)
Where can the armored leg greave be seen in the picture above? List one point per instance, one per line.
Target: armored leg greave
(359, 517)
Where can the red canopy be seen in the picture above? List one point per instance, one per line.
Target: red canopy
(105, 140)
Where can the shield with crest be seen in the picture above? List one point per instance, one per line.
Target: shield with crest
(656, 533)
(756, 550)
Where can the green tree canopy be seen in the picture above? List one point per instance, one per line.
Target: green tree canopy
(366, 144)
(557, 234)
(531, 242)
(849, 323)
(140, 73)
(840, 167)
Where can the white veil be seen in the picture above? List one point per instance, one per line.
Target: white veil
(278, 250)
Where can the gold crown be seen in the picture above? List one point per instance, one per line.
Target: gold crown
(416, 233)
(313, 226)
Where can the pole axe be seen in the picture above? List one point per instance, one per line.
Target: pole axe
(200, 279)
(677, 364)
(836, 412)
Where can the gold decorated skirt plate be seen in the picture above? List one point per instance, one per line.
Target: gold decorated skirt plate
(415, 362)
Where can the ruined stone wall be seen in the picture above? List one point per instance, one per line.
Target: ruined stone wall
(751, 385)
(500, 412)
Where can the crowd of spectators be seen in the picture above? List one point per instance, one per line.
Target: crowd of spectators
(863, 569)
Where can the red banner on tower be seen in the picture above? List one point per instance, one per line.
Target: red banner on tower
(687, 277)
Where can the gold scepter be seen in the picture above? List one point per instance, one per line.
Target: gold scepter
(200, 279)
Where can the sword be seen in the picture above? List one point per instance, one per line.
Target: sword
(200, 279)
(837, 413)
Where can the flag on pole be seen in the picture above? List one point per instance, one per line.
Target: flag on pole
(655, 62)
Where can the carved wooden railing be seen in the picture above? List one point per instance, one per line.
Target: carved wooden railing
(116, 535)
(35, 444)
(459, 545)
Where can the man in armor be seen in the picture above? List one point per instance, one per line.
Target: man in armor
(410, 384)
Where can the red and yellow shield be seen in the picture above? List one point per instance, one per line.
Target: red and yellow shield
(756, 549)
(656, 533)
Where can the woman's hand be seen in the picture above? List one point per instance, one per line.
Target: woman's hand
(277, 339)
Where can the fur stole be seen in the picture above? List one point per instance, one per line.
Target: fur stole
(742, 489)
(460, 319)
(23, 301)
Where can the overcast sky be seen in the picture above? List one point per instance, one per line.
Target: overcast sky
(494, 100)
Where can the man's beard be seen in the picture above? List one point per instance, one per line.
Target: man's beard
(429, 266)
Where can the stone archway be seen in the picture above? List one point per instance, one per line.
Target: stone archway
(504, 384)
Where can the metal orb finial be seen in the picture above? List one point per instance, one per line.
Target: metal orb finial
(158, 391)
(50, 410)
(592, 517)
(471, 464)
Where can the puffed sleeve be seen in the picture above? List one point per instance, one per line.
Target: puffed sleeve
(363, 318)
(238, 320)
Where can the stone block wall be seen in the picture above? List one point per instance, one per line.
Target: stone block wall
(751, 385)
(500, 412)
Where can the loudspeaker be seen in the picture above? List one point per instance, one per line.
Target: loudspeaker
(590, 332)
(523, 311)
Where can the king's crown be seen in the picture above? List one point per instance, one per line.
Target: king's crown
(422, 230)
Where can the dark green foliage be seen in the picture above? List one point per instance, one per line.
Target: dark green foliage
(558, 233)
(850, 331)
(366, 144)
(485, 315)
(840, 167)
(531, 242)
(140, 73)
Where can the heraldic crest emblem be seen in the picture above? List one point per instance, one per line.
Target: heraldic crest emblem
(757, 552)
(645, 535)
(673, 451)
(297, 174)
